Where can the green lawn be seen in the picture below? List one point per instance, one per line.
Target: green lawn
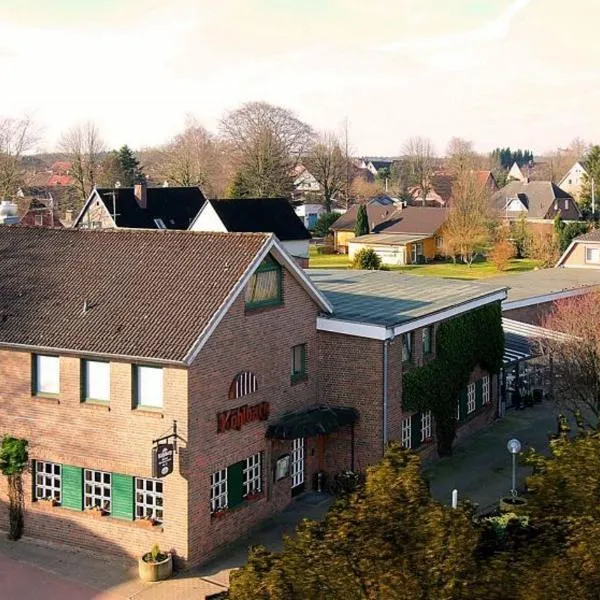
(479, 270)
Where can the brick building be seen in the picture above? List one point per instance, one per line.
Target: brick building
(271, 377)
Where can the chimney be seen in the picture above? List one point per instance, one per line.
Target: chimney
(140, 193)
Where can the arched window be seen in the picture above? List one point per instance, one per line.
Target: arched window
(243, 383)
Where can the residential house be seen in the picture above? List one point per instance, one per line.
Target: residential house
(208, 355)
(141, 207)
(583, 252)
(57, 175)
(573, 180)
(410, 235)
(440, 191)
(537, 201)
(305, 182)
(516, 174)
(374, 165)
(273, 215)
(41, 213)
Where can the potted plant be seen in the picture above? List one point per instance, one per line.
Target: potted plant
(147, 522)
(155, 565)
(14, 459)
(49, 500)
(97, 511)
(513, 504)
(219, 514)
(253, 496)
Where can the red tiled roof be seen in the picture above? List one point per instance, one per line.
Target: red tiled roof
(149, 294)
(60, 180)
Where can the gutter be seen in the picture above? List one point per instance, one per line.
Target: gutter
(386, 344)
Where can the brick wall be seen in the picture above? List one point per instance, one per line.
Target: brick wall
(534, 314)
(259, 341)
(115, 439)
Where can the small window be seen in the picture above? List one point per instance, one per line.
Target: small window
(298, 362)
(406, 347)
(47, 481)
(556, 206)
(426, 426)
(160, 223)
(148, 382)
(243, 384)
(406, 432)
(149, 499)
(252, 475)
(39, 220)
(471, 398)
(265, 286)
(439, 242)
(218, 490)
(427, 340)
(96, 381)
(46, 375)
(485, 386)
(592, 254)
(97, 490)
(566, 204)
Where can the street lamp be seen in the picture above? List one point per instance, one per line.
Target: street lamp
(514, 447)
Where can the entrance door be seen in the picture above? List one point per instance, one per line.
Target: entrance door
(297, 466)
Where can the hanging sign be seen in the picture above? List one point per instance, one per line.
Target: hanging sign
(163, 460)
(237, 417)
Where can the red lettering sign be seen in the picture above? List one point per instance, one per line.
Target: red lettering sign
(238, 417)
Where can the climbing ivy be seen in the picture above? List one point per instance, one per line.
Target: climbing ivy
(475, 338)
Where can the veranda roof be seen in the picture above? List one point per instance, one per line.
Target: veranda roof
(316, 420)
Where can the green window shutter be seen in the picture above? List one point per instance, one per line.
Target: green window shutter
(415, 431)
(123, 497)
(235, 483)
(479, 394)
(72, 487)
(463, 404)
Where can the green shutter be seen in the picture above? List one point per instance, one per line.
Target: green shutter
(479, 394)
(123, 497)
(415, 430)
(235, 483)
(463, 404)
(72, 487)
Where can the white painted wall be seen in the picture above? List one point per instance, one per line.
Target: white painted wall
(207, 219)
(296, 247)
(389, 255)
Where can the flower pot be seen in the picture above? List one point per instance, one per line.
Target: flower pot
(219, 514)
(155, 571)
(146, 523)
(516, 505)
(97, 513)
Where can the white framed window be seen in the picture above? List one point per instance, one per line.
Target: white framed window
(46, 374)
(97, 489)
(592, 254)
(96, 380)
(427, 339)
(470, 398)
(243, 384)
(149, 499)
(425, 425)
(439, 242)
(39, 220)
(485, 386)
(566, 204)
(148, 387)
(297, 464)
(218, 490)
(407, 432)
(47, 480)
(406, 347)
(252, 474)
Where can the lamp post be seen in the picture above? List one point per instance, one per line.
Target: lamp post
(514, 447)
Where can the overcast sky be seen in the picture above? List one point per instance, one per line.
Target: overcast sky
(499, 72)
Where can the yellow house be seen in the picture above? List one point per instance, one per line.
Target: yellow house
(583, 252)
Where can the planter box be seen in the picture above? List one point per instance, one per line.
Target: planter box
(517, 505)
(155, 571)
(96, 514)
(147, 523)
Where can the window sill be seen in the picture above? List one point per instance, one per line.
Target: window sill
(148, 411)
(247, 501)
(257, 308)
(96, 405)
(299, 378)
(51, 398)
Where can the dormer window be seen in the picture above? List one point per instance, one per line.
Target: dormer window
(265, 287)
(243, 384)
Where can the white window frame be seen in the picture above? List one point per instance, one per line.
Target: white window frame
(149, 497)
(566, 204)
(244, 383)
(89, 374)
(149, 394)
(471, 405)
(97, 489)
(407, 343)
(218, 490)
(485, 389)
(297, 462)
(45, 363)
(425, 331)
(595, 250)
(39, 220)
(425, 425)
(406, 432)
(47, 481)
(160, 223)
(252, 475)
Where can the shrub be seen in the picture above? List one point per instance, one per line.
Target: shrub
(324, 222)
(367, 259)
(501, 254)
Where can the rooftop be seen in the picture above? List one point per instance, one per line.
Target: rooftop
(388, 298)
(590, 236)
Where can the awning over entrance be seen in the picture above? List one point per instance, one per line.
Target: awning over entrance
(317, 420)
(521, 340)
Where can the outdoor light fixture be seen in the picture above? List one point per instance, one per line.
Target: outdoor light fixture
(514, 447)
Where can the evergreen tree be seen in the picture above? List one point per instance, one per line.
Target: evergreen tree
(592, 167)
(130, 170)
(362, 221)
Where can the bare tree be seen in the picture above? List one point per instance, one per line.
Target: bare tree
(267, 142)
(467, 229)
(421, 160)
(17, 136)
(326, 162)
(460, 156)
(84, 147)
(576, 354)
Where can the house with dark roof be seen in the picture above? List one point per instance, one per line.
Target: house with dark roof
(583, 252)
(537, 201)
(573, 180)
(440, 190)
(141, 207)
(271, 215)
(376, 164)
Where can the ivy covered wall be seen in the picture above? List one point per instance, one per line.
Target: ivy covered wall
(475, 338)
